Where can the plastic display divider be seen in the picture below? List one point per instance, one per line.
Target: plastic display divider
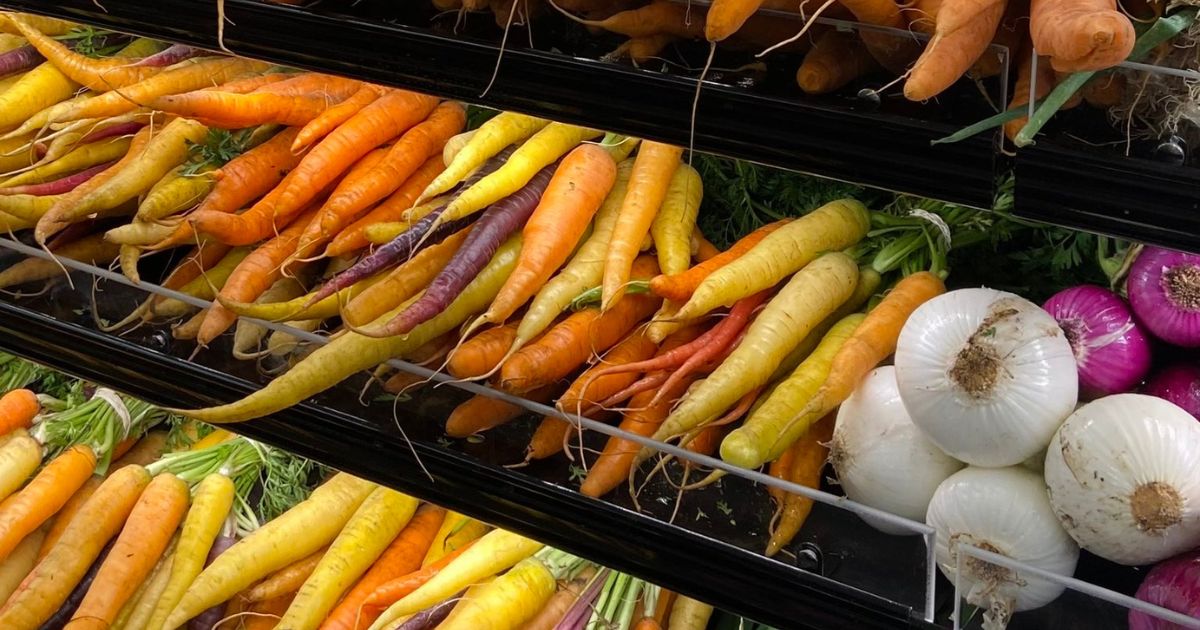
(915, 528)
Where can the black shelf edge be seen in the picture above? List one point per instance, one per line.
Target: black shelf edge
(753, 586)
(1129, 198)
(882, 151)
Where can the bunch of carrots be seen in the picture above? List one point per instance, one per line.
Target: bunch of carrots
(556, 262)
(164, 538)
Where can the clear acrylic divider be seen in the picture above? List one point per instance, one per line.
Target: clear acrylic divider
(910, 528)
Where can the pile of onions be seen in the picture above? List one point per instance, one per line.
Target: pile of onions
(987, 376)
(881, 458)
(1164, 291)
(1004, 511)
(1111, 351)
(1180, 384)
(1123, 474)
(1174, 585)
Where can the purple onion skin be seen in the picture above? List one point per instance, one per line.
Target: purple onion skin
(1111, 349)
(1173, 584)
(1164, 291)
(19, 59)
(1180, 384)
(68, 607)
(431, 617)
(211, 617)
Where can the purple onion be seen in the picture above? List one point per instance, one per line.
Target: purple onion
(1173, 584)
(1111, 351)
(1180, 384)
(1164, 291)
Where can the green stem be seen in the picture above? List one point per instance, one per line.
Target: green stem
(595, 622)
(624, 614)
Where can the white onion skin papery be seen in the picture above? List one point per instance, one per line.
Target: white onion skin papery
(882, 459)
(1123, 474)
(987, 376)
(1005, 511)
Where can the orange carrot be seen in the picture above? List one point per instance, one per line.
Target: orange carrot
(1020, 98)
(891, 51)
(705, 250)
(391, 591)
(837, 58)
(652, 171)
(289, 579)
(138, 548)
(480, 413)
(265, 615)
(589, 389)
(353, 238)
(402, 557)
(26, 510)
(567, 594)
(329, 120)
(251, 277)
(247, 84)
(952, 52)
(480, 354)
(679, 287)
(101, 75)
(612, 468)
(572, 342)
(17, 409)
(1080, 35)
(238, 111)
(333, 89)
(359, 191)
(201, 259)
(725, 17)
(808, 459)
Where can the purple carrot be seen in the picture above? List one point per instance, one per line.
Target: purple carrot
(581, 610)
(19, 59)
(208, 619)
(58, 186)
(68, 607)
(410, 241)
(168, 57)
(495, 225)
(432, 616)
(112, 131)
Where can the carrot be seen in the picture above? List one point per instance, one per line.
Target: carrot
(405, 157)
(569, 344)
(679, 287)
(238, 111)
(456, 531)
(673, 226)
(333, 117)
(204, 286)
(251, 277)
(353, 238)
(507, 602)
(19, 563)
(252, 174)
(100, 75)
(725, 17)
(498, 132)
(542, 149)
(403, 556)
(653, 169)
(659, 17)
(811, 295)
(51, 188)
(48, 25)
(781, 468)
(89, 249)
(583, 272)
(591, 387)
(310, 525)
(51, 581)
(145, 536)
(397, 588)
(689, 614)
(350, 353)
(403, 282)
(266, 615)
(494, 226)
(81, 158)
(616, 460)
(326, 86)
(1080, 35)
(213, 499)
(952, 52)
(834, 226)
(289, 579)
(163, 152)
(19, 152)
(891, 51)
(808, 455)
(496, 551)
(1021, 90)
(480, 413)
(836, 59)
(26, 510)
(19, 457)
(176, 192)
(35, 91)
(562, 600)
(481, 353)
(17, 409)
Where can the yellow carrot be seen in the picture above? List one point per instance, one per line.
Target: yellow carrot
(20, 562)
(38, 89)
(84, 156)
(19, 457)
(492, 136)
(456, 531)
(672, 228)
(506, 602)
(174, 193)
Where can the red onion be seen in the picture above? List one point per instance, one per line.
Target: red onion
(1164, 291)
(1111, 351)
(1180, 384)
(1173, 584)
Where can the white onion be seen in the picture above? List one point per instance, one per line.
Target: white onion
(987, 375)
(881, 458)
(1124, 478)
(1004, 511)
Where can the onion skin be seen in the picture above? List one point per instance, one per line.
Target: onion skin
(1164, 292)
(1180, 384)
(1173, 584)
(1111, 350)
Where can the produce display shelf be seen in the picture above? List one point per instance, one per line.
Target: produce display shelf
(57, 330)
(843, 139)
